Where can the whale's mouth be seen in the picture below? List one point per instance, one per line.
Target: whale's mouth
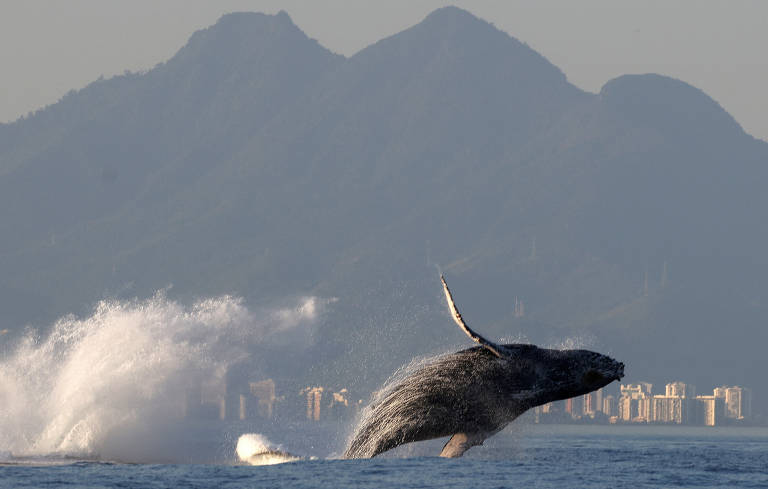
(619, 371)
(612, 370)
(615, 371)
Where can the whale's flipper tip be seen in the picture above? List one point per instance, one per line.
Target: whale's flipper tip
(490, 345)
(460, 443)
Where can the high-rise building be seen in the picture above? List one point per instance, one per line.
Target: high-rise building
(659, 409)
(643, 410)
(641, 388)
(738, 401)
(207, 400)
(610, 407)
(575, 406)
(340, 405)
(242, 412)
(599, 399)
(635, 402)
(670, 409)
(264, 392)
(589, 404)
(314, 398)
(627, 411)
(674, 406)
(592, 403)
(719, 392)
(680, 389)
(709, 410)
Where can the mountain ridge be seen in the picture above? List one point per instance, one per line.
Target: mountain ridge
(256, 162)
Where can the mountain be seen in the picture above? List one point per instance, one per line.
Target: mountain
(113, 156)
(258, 163)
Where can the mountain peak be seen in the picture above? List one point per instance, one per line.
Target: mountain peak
(664, 102)
(451, 33)
(447, 21)
(452, 14)
(240, 40)
(250, 20)
(244, 31)
(458, 34)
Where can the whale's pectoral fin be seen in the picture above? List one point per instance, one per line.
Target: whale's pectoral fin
(460, 443)
(490, 345)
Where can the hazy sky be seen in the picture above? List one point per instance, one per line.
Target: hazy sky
(50, 47)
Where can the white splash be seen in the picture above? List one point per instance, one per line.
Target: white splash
(255, 449)
(106, 384)
(575, 342)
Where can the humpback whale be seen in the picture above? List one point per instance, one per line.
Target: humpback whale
(472, 394)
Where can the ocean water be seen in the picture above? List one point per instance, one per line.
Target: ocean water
(101, 401)
(525, 456)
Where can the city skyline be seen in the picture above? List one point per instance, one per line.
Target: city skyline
(636, 403)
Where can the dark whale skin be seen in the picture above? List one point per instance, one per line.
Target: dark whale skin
(474, 393)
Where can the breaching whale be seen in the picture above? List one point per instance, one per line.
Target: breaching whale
(472, 394)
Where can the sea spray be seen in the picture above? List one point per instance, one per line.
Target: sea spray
(249, 444)
(474, 392)
(256, 449)
(367, 416)
(575, 342)
(110, 385)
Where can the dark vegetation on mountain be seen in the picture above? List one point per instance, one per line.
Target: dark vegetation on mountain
(258, 163)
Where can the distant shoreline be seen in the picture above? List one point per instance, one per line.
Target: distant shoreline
(642, 430)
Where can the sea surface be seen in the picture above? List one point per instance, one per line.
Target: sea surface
(524, 456)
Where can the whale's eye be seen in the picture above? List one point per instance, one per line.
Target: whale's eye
(593, 377)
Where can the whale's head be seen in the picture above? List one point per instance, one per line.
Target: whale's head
(533, 375)
(562, 374)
